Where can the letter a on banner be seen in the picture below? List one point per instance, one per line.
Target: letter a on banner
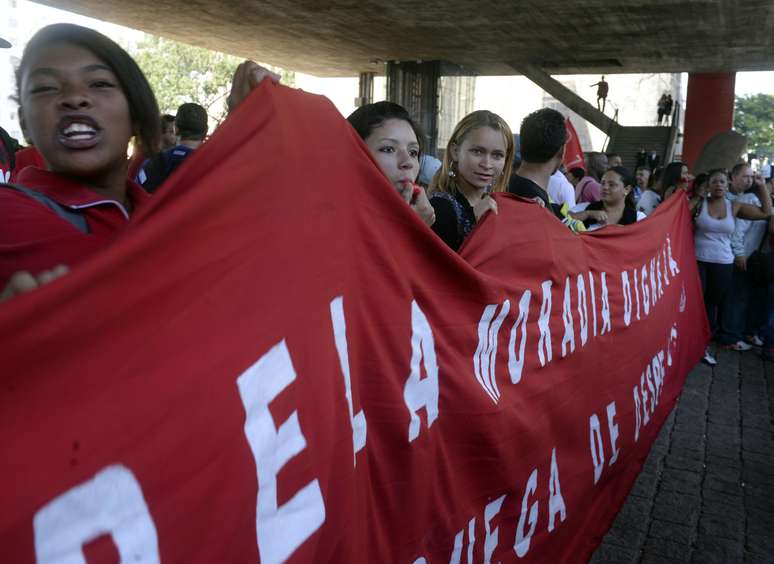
(110, 503)
(358, 421)
(280, 529)
(421, 392)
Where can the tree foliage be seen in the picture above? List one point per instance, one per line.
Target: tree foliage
(754, 117)
(181, 73)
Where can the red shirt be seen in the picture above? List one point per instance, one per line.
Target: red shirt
(34, 238)
(28, 156)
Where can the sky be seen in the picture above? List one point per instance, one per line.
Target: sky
(754, 83)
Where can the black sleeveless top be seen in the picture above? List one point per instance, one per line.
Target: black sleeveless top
(628, 216)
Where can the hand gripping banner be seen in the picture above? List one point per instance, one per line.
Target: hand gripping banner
(277, 361)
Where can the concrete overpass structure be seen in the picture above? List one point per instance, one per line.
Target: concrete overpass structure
(414, 43)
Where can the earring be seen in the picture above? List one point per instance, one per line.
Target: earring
(452, 174)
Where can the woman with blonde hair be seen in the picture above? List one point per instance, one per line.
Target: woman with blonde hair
(477, 162)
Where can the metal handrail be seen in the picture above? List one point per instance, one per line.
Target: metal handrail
(607, 135)
(673, 132)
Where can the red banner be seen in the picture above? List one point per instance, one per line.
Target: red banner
(573, 153)
(280, 361)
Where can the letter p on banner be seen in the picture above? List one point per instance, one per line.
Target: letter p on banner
(110, 503)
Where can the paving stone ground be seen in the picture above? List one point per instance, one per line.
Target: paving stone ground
(706, 492)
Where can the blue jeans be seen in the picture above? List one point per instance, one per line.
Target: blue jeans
(715, 281)
(768, 334)
(733, 311)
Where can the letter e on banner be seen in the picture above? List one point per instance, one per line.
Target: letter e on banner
(110, 503)
(421, 392)
(637, 412)
(597, 448)
(612, 428)
(490, 540)
(280, 529)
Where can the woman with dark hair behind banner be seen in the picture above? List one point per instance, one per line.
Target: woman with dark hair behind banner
(395, 142)
(617, 204)
(675, 177)
(714, 225)
(477, 161)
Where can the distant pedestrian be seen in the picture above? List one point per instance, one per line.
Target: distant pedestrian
(662, 107)
(589, 188)
(642, 158)
(668, 109)
(653, 159)
(614, 159)
(602, 89)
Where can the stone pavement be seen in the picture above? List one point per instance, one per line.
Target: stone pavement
(706, 492)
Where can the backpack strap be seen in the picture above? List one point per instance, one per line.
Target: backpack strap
(10, 146)
(73, 217)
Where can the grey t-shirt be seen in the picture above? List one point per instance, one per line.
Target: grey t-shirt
(648, 202)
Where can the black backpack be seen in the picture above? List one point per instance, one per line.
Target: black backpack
(8, 148)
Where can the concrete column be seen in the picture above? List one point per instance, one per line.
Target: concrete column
(709, 110)
(414, 85)
(366, 90)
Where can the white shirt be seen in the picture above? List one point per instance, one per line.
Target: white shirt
(560, 189)
(748, 234)
(648, 202)
(712, 237)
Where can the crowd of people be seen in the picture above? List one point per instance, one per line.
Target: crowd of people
(83, 98)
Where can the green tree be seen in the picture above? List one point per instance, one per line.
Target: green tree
(182, 73)
(754, 117)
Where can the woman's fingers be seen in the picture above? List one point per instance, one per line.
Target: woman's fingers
(406, 191)
(22, 282)
(53, 274)
(247, 76)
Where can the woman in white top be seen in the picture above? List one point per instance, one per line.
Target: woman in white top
(712, 237)
(616, 205)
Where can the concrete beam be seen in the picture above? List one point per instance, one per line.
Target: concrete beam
(568, 98)
(344, 38)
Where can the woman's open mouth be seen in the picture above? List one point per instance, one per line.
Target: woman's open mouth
(79, 132)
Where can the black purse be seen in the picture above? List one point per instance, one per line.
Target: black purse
(760, 265)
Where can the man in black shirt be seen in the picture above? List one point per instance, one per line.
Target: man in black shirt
(543, 136)
(191, 130)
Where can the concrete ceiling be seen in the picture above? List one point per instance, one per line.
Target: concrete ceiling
(345, 37)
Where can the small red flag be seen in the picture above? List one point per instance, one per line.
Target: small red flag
(573, 154)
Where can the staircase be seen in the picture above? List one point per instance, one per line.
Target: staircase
(623, 140)
(627, 142)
